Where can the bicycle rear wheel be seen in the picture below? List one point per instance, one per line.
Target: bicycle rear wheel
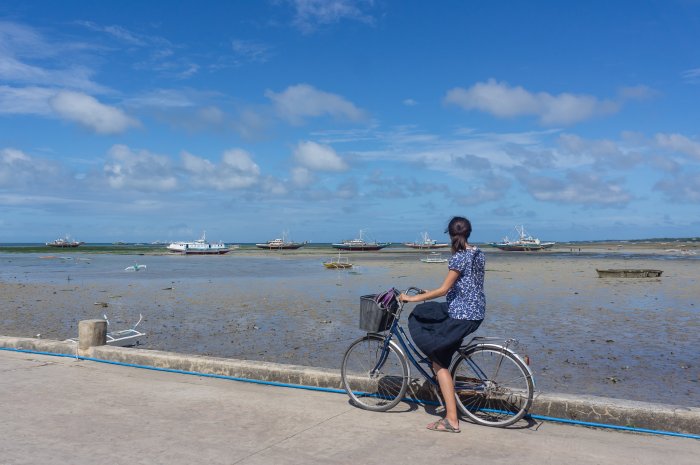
(493, 386)
(374, 378)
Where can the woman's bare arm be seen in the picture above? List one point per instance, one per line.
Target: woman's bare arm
(449, 281)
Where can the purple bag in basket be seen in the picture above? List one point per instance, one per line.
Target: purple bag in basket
(386, 299)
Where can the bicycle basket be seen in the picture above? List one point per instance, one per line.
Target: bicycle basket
(375, 318)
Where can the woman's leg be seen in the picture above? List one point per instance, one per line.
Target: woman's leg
(447, 388)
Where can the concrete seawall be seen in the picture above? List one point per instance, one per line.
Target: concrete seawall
(572, 407)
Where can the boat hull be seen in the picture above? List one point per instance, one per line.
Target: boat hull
(359, 248)
(426, 246)
(629, 273)
(337, 266)
(522, 247)
(292, 246)
(199, 252)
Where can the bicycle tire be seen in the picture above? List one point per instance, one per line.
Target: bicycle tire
(379, 390)
(493, 386)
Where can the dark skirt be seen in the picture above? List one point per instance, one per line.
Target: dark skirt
(437, 334)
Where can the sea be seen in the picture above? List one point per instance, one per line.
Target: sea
(625, 338)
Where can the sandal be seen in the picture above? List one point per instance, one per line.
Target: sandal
(443, 426)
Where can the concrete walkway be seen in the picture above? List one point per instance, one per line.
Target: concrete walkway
(58, 410)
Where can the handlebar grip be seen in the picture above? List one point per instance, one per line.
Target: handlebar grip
(416, 290)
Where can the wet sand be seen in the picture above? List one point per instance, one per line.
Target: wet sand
(627, 338)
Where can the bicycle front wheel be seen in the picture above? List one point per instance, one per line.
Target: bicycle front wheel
(375, 378)
(493, 386)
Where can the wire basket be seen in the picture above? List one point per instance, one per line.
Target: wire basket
(373, 318)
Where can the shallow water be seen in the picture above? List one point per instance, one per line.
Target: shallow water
(625, 338)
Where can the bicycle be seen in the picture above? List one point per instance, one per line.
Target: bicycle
(494, 386)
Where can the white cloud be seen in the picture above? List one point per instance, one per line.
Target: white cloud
(237, 170)
(240, 160)
(20, 169)
(692, 75)
(165, 98)
(640, 92)
(303, 100)
(311, 13)
(602, 152)
(678, 143)
(502, 100)
(211, 115)
(86, 110)
(493, 188)
(576, 188)
(251, 50)
(12, 163)
(19, 43)
(25, 100)
(409, 102)
(682, 188)
(318, 157)
(301, 177)
(140, 170)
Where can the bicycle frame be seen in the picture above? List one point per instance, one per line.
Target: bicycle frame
(417, 359)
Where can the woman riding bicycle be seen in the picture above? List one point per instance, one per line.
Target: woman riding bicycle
(438, 328)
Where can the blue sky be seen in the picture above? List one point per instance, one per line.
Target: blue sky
(144, 121)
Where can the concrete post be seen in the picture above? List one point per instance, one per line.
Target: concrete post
(92, 333)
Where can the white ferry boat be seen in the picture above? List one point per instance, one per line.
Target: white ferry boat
(64, 242)
(281, 243)
(426, 243)
(198, 247)
(524, 243)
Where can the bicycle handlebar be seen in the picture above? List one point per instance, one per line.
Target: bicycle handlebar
(414, 291)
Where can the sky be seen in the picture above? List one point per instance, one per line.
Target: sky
(155, 121)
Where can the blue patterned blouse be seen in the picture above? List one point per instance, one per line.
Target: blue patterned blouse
(466, 299)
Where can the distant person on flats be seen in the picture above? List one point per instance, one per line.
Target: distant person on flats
(438, 328)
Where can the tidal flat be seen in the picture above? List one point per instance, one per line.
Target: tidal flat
(624, 338)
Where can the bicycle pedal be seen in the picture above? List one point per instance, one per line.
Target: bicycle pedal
(440, 409)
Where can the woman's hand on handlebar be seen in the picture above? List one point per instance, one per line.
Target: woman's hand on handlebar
(411, 295)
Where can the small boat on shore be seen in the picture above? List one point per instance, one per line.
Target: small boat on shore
(64, 242)
(121, 338)
(524, 243)
(198, 247)
(135, 267)
(359, 244)
(339, 263)
(426, 243)
(434, 257)
(628, 273)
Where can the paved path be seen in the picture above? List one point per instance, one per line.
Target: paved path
(57, 410)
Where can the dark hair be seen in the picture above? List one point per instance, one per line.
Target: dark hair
(459, 230)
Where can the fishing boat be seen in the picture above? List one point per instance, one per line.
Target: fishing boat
(64, 242)
(426, 243)
(629, 273)
(434, 257)
(198, 247)
(359, 244)
(281, 244)
(524, 243)
(122, 338)
(339, 263)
